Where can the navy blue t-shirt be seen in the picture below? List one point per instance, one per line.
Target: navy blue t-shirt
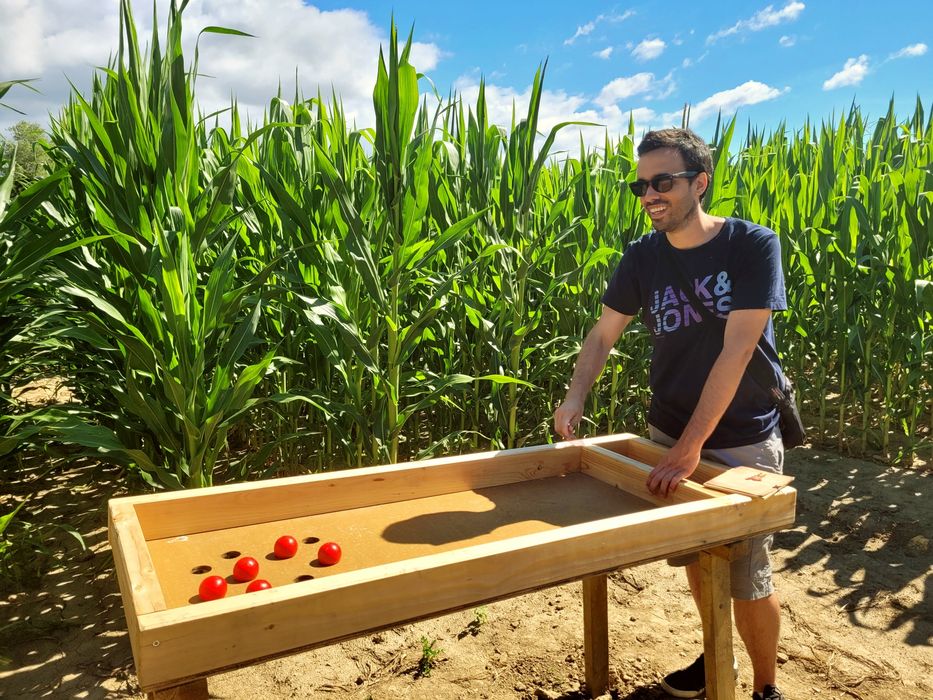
(739, 268)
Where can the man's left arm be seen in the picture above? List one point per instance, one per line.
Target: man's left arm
(743, 330)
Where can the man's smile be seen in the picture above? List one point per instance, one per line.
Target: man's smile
(656, 208)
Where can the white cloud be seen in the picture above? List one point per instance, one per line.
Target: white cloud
(688, 62)
(642, 115)
(728, 101)
(582, 30)
(787, 41)
(39, 34)
(909, 51)
(666, 87)
(52, 39)
(852, 73)
(605, 53)
(585, 29)
(648, 49)
(768, 17)
(622, 88)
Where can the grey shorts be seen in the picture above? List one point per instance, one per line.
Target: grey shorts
(751, 570)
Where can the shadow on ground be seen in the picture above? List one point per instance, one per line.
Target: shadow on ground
(889, 526)
(71, 625)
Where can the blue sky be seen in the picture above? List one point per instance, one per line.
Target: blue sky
(766, 62)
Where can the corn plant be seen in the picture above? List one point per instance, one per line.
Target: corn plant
(157, 318)
(422, 286)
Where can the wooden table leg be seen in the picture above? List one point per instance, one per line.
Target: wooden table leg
(596, 634)
(195, 690)
(716, 612)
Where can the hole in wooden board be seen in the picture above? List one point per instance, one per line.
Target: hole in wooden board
(311, 540)
(232, 554)
(203, 569)
(304, 577)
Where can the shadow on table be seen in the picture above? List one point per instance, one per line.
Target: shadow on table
(559, 501)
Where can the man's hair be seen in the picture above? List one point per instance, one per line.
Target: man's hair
(694, 151)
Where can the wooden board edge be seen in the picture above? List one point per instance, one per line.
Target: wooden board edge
(136, 572)
(649, 452)
(631, 474)
(236, 505)
(572, 446)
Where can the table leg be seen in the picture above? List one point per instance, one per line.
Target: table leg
(195, 690)
(716, 612)
(596, 634)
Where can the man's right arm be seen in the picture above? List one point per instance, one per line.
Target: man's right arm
(590, 363)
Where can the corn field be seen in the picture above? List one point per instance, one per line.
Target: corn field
(230, 300)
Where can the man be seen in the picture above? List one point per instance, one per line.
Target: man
(703, 402)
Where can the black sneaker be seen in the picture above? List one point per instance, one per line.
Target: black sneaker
(771, 692)
(690, 682)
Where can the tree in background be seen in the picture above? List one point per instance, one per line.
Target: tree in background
(29, 141)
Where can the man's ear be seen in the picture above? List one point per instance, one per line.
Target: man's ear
(704, 179)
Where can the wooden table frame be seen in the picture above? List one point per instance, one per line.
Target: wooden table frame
(169, 643)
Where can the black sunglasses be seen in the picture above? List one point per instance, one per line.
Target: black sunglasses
(660, 183)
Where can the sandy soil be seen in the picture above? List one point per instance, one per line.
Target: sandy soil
(854, 576)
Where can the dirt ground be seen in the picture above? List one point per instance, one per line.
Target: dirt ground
(854, 576)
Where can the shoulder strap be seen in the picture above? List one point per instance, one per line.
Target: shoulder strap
(759, 367)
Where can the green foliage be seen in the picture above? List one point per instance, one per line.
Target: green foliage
(27, 549)
(7, 85)
(158, 311)
(853, 207)
(429, 654)
(232, 302)
(480, 618)
(26, 151)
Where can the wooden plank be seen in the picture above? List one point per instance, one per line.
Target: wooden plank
(223, 507)
(199, 639)
(193, 690)
(631, 475)
(136, 572)
(650, 453)
(729, 552)
(139, 585)
(596, 634)
(125, 580)
(750, 481)
(716, 612)
(612, 442)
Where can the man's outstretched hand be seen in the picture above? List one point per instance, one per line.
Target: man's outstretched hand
(567, 417)
(678, 464)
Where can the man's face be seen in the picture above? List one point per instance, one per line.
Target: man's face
(671, 210)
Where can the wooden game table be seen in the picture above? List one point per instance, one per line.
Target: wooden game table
(419, 540)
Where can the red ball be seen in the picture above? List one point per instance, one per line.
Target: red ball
(285, 547)
(212, 588)
(245, 569)
(329, 553)
(260, 584)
